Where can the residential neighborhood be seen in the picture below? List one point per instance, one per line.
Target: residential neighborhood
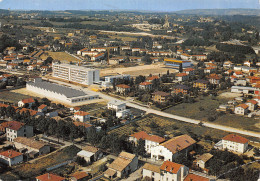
(129, 94)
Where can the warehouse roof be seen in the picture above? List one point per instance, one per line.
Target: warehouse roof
(67, 91)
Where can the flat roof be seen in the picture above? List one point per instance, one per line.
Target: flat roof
(67, 91)
(76, 67)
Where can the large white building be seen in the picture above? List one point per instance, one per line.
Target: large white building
(64, 94)
(75, 73)
(172, 148)
(16, 129)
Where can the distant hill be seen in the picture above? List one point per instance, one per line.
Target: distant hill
(216, 12)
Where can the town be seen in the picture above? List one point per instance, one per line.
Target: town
(107, 95)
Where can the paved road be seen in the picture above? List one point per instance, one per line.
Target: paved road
(160, 113)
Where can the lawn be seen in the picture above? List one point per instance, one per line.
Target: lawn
(205, 107)
(30, 170)
(62, 56)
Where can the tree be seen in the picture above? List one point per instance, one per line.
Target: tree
(180, 68)
(140, 148)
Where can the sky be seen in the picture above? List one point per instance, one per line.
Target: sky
(140, 5)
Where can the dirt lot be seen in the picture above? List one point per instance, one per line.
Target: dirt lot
(146, 70)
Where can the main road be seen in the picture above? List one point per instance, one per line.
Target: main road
(167, 115)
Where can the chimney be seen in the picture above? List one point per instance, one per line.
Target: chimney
(48, 176)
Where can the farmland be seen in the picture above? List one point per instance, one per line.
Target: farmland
(62, 56)
(12, 97)
(163, 126)
(30, 170)
(205, 107)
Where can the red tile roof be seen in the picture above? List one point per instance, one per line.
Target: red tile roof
(244, 106)
(15, 125)
(188, 70)
(143, 135)
(50, 177)
(152, 77)
(171, 167)
(252, 101)
(29, 100)
(81, 113)
(178, 143)
(80, 175)
(181, 74)
(123, 86)
(193, 177)
(10, 154)
(235, 138)
(145, 83)
(42, 106)
(24, 110)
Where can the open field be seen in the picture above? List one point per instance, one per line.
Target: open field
(62, 56)
(12, 96)
(170, 127)
(145, 70)
(205, 107)
(123, 38)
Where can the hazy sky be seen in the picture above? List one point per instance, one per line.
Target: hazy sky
(150, 5)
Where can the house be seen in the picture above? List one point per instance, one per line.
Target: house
(29, 101)
(199, 57)
(236, 143)
(32, 145)
(150, 140)
(42, 108)
(30, 111)
(160, 96)
(50, 177)
(241, 109)
(90, 154)
(123, 114)
(257, 99)
(209, 70)
(16, 129)
(82, 116)
(197, 177)
(202, 160)
(79, 176)
(151, 171)
(31, 67)
(145, 85)
(180, 89)
(172, 148)
(82, 124)
(173, 171)
(228, 64)
(11, 157)
(181, 77)
(11, 66)
(244, 90)
(151, 78)
(189, 71)
(252, 105)
(116, 105)
(98, 57)
(210, 64)
(201, 84)
(122, 166)
(214, 79)
(247, 63)
(238, 74)
(185, 56)
(122, 88)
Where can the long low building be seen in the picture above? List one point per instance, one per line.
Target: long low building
(59, 92)
(245, 90)
(176, 63)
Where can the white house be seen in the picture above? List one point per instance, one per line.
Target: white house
(181, 77)
(202, 160)
(150, 140)
(122, 166)
(29, 101)
(252, 105)
(123, 114)
(173, 171)
(170, 149)
(241, 109)
(235, 143)
(16, 129)
(11, 157)
(90, 153)
(116, 105)
(82, 116)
